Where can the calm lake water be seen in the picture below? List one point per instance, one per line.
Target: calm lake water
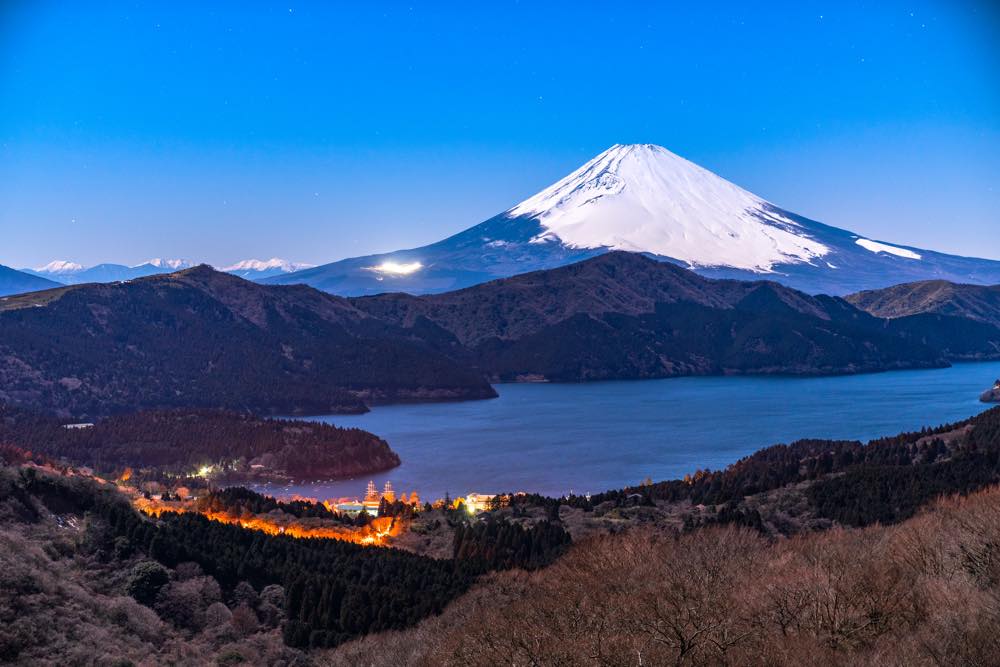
(557, 438)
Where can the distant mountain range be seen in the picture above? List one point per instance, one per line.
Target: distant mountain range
(13, 281)
(70, 273)
(256, 269)
(201, 338)
(643, 198)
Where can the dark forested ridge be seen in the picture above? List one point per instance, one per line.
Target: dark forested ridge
(622, 315)
(183, 440)
(979, 303)
(884, 481)
(199, 338)
(499, 544)
(960, 338)
(962, 320)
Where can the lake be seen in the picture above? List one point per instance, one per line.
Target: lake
(585, 438)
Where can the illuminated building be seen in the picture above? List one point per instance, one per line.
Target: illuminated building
(478, 502)
(351, 508)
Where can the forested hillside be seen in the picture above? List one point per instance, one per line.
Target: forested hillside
(980, 303)
(182, 441)
(922, 593)
(703, 560)
(330, 590)
(622, 315)
(200, 338)
(784, 488)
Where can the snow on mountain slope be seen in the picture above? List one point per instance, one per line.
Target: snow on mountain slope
(875, 246)
(255, 269)
(71, 273)
(59, 267)
(171, 264)
(264, 265)
(644, 198)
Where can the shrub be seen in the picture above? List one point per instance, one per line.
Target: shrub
(146, 580)
(217, 614)
(184, 603)
(137, 619)
(122, 548)
(244, 620)
(273, 594)
(244, 594)
(187, 570)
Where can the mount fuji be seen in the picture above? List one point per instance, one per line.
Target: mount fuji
(643, 198)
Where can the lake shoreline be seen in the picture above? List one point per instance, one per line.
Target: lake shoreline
(554, 438)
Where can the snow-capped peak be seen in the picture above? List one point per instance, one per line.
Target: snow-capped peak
(643, 198)
(60, 266)
(173, 264)
(266, 265)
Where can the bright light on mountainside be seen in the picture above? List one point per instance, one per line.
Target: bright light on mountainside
(397, 269)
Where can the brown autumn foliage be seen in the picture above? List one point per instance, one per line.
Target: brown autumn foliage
(64, 603)
(924, 592)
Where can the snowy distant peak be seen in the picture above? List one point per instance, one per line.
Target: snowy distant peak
(60, 267)
(642, 197)
(70, 273)
(275, 263)
(172, 264)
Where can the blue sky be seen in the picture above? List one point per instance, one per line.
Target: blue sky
(316, 131)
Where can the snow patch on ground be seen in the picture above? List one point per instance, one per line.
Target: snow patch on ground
(875, 246)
